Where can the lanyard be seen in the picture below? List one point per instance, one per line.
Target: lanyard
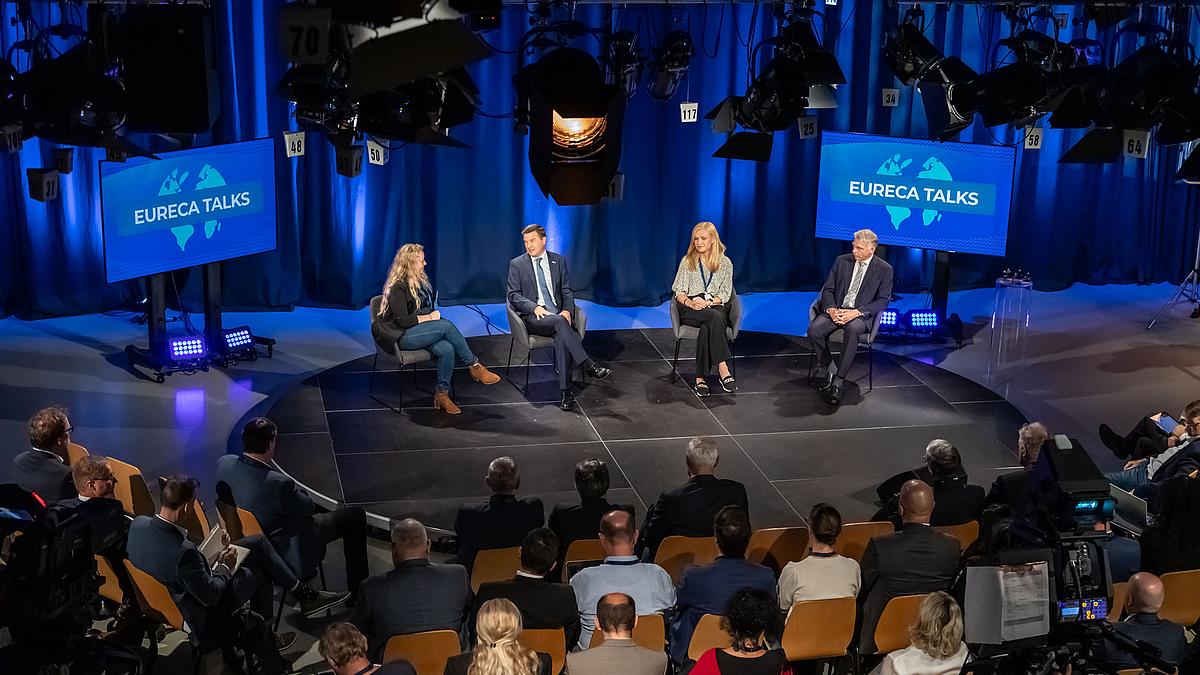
(710, 276)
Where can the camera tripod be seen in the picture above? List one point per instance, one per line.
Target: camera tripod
(1190, 289)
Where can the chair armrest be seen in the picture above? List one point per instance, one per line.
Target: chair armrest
(812, 309)
(735, 314)
(517, 327)
(580, 321)
(676, 321)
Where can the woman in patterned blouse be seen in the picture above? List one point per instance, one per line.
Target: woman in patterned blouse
(703, 286)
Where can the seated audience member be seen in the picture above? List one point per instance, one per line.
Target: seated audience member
(1143, 600)
(707, 589)
(916, 559)
(1124, 555)
(616, 616)
(542, 603)
(572, 522)
(345, 650)
(93, 478)
(286, 512)
(957, 502)
(689, 509)
(1019, 489)
(1142, 476)
(751, 620)
(648, 584)
(1171, 543)
(207, 595)
(498, 651)
(937, 647)
(1146, 439)
(822, 574)
(415, 596)
(43, 468)
(503, 521)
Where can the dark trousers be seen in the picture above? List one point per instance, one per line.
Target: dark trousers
(819, 331)
(254, 580)
(349, 525)
(1146, 439)
(712, 344)
(568, 346)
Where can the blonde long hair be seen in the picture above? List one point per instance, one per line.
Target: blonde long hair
(713, 259)
(939, 628)
(405, 268)
(497, 651)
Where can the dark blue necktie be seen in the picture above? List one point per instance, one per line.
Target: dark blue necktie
(543, 287)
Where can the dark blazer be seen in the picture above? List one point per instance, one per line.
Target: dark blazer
(1182, 463)
(158, 549)
(401, 315)
(705, 590)
(283, 508)
(523, 288)
(39, 472)
(572, 522)
(916, 559)
(542, 604)
(414, 597)
(688, 511)
(458, 665)
(1149, 628)
(873, 295)
(501, 522)
(955, 503)
(1019, 489)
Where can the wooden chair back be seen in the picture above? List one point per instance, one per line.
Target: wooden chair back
(1181, 597)
(238, 523)
(852, 542)
(75, 452)
(650, 632)
(675, 553)
(581, 551)
(966, 534)
(131, 489)
(819, 629)
(428, 651)
(892, 631)
(548, 641)
(1120, 591)
(708, 635)
(495, 564)
(109, 587)
(154, 598)
(775, 547)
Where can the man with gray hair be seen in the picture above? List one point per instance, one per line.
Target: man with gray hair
(501, 522)
(956, 501)
(415, 596)
(859, 287)
(689, 509)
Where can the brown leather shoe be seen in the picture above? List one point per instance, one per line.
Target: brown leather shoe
(483, 375)
(441, 400)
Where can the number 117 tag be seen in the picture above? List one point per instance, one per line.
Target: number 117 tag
(689, 112)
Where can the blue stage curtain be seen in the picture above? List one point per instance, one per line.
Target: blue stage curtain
(1121, 223)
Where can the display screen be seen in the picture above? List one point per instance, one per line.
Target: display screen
(190, 207)
(924, 194)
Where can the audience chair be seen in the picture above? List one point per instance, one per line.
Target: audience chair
(966, 534)
(819, 629)
(676, 552)
(75, 452)
(405, 357)
(428, 651)
(1181, 597)
(157, 605)
(548, 641)
(898, 618)
(1120, 591)
(581, 551)
(110, 588)
(650, 632)
(708, 635)
(521, 338)
(852, 542)
(131, 489)
(775, 547)
(683, 332)
(868, 338)
(495, 564)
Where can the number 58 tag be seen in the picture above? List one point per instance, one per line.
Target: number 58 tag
(1033, 138)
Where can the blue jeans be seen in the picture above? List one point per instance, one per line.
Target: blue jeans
(1129, 479)
(442, 339)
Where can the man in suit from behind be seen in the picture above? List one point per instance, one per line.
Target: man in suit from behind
(616, 616)
(573, 522)
(539, 291)
(415, 596)
(93, 478)
(543, 604)
(1020, 489)
(859, 287)
(916, 559)
(957, 502)
(285, 510)
(502, 521)
(689, 509)
(1143, 600)
(43, 468)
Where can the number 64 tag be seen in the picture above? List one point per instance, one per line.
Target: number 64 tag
(1137, 143)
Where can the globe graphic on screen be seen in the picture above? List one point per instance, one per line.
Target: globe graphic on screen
(932, 169)
(173, 185)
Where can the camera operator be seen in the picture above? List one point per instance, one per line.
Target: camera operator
(1141, 622)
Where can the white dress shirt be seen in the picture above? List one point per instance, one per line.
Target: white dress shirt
(544, 261)
(851, 292)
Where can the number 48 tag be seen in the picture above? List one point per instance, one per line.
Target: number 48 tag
(1137, 143)
(294, 142)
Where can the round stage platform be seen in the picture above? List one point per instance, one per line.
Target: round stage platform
(776, 435)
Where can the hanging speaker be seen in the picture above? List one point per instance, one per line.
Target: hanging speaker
(169, 68)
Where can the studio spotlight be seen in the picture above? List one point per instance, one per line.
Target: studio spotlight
(670, 65)
(625, 61)
(921, 320)
(190, 348)
(319, 92)
(889, 320)
(909, 54)
(420, 112)
(1189, 163)
(237, 344)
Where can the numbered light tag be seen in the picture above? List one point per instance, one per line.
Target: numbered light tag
(294, 142)
(689, 112)
(1033, 138)
(891, 98)
(1137, 143)
(376, 153)
(616, 188)
(807, 126)
(304, 33)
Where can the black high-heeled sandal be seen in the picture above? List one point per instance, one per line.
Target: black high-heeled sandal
(702, 389)
(729, 384)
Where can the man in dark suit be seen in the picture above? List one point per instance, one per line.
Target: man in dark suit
(917, 559)
(956, 501)
(543, 603)
(539, 291)
(43, 468)
(706, 590)
(689, 510)
(572, 522)
(859, 287)
(1020, 489)
(415, 596)
(502, 521)
(1144, 599)
(1143, 476)
(286, 512)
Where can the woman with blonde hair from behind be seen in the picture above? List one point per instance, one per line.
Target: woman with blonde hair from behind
(498, 650)
(937, 647)
(408, 319)
(703, 286)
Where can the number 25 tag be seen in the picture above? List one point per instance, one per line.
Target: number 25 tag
(807, 126)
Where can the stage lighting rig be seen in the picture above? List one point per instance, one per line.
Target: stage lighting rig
(625, 61)
(420, 112)
(670, 65)
(319, 94)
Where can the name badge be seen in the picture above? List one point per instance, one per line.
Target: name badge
(708, 296)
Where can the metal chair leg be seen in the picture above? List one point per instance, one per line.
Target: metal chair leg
(675, 363)
(870, 365)
(733, 359)
(528, 363)
(374, 364)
